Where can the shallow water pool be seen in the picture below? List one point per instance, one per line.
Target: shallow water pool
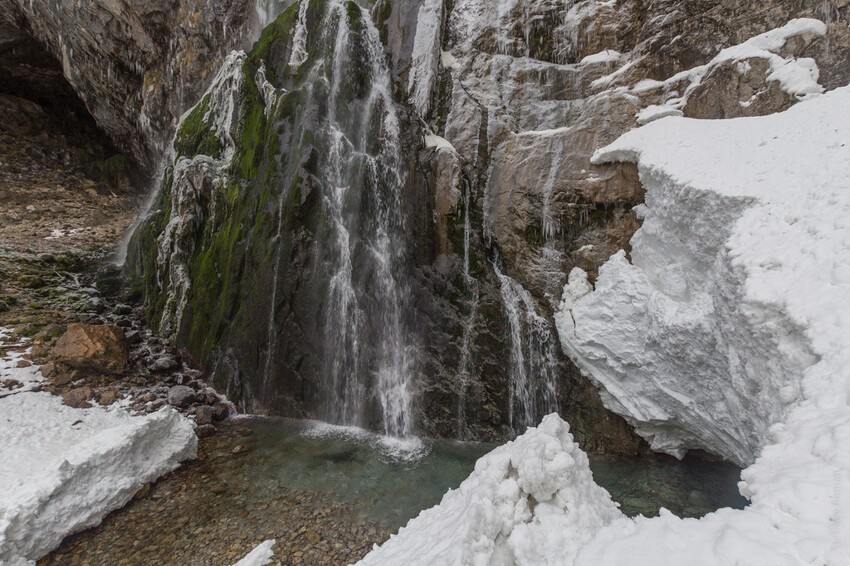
(387, 485)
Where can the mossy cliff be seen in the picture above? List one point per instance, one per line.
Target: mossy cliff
(236, 257)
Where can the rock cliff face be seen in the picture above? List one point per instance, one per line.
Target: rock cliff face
(137, 65)
(499, 105)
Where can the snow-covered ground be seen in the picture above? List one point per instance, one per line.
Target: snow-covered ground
(728, 330)
(63, 470)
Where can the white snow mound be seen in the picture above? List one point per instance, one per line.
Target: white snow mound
(533, 497)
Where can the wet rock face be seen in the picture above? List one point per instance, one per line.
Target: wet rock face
(136, 65)
(501, 106)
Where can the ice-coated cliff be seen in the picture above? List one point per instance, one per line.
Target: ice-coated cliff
(727, 330)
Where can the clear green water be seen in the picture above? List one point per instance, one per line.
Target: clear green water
(355, 468)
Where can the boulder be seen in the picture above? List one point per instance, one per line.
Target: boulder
(100, 348)
(181, 396)
(78, 397)
(204, 415)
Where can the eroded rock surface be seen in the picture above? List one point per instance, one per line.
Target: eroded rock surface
(97, 347)
(137, 65)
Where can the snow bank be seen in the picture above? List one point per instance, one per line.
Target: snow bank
(64, 469)
(743, 240)
(532, 498)
(729, 330)
(260, 556)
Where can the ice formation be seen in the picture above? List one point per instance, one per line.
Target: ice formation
(63, 469)
(728, 331)
(426, 56)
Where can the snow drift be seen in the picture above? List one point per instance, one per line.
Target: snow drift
(729, 331)
(63, 470)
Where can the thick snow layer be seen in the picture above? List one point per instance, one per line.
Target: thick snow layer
(260, 556)
(739, 256)
(730, 330)
(655, 112)
(62, 469)
(533, 498)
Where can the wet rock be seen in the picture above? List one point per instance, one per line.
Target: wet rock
(43, 341)
(181, 396)
(108, 396)
(204, 414)
(78, 397)
(133, 337)
(122, 309)
(163, 364)
(58, 374)
(205, 431)
(220, 411)
(143, 492)
(97, 347)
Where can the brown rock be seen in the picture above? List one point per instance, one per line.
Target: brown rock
(77, 397)
(108, 396)
(23, 364)
(57, 374)
(98, 347)
(204, 415)
(220, 411)
(205, 431)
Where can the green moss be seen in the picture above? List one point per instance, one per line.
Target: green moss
(383, 12)
(275, 33)
(195, 136)
(253, 127)
(355, 16)
(142, 254)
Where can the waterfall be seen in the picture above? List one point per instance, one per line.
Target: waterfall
(367, 351)
(268, 10)
(533, 357)
(471, 287)
(551, 225)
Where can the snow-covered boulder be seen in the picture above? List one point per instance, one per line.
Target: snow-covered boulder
(63, 470)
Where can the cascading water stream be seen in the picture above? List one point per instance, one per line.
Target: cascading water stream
(471, 284)
(533, 357)
(366, 338)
